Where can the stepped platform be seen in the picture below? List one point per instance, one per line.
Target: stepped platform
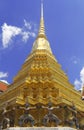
(40, 128)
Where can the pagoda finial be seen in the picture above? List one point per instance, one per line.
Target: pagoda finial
(42, 27)
(41, 42)
(41, 8)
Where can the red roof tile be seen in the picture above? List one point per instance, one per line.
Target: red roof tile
(3, 86)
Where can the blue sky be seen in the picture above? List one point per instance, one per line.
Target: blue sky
(64, 23)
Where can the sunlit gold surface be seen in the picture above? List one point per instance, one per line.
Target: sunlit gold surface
(40, 81)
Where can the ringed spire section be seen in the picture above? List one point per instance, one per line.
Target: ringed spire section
(41, 42)
(42, 27)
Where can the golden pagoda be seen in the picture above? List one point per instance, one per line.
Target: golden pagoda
(41, 94)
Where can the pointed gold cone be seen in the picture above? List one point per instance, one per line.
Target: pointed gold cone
(41, 42)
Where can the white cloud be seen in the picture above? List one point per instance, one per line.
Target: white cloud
(27, 25)
(4, 81)
(82, 75)
(75, 60)
(26, 35)
(9, 32)
(79, 83)
(33, 34)
(3, 75)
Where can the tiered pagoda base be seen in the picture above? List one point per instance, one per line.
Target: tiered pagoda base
(41, 128)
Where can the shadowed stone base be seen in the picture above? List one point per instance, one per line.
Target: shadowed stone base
(41, 128)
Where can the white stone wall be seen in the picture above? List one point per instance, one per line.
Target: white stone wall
(41, 128)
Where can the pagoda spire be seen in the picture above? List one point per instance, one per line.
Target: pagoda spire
(41, 42)
(42, 27)
(42, 9)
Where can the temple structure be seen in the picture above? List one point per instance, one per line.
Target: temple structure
(41, 94)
